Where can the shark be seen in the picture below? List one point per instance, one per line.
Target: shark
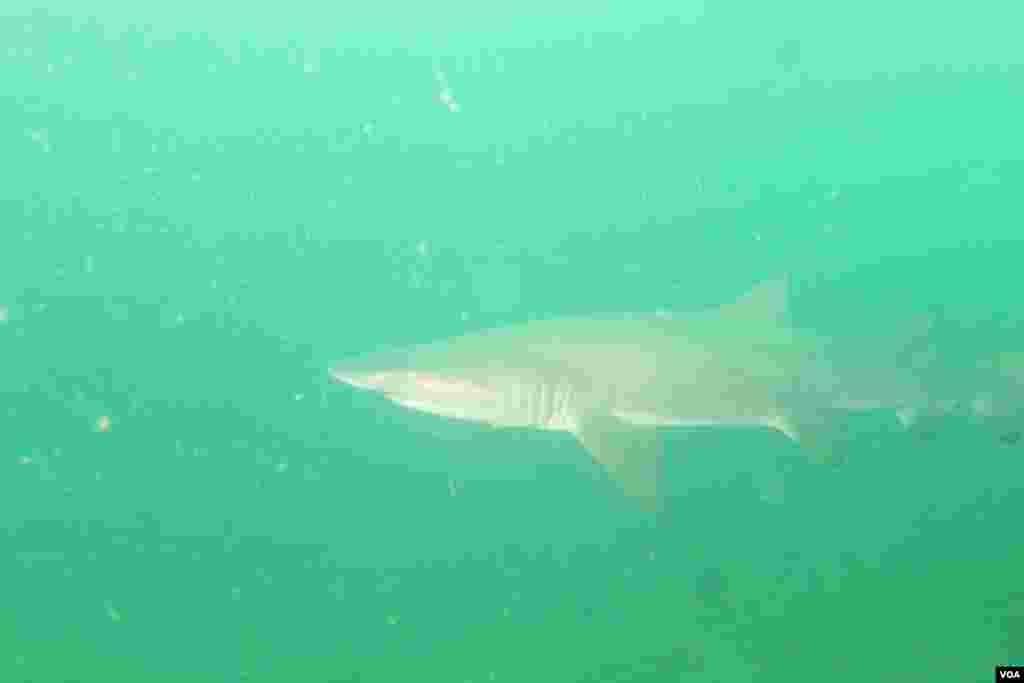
(614, 381)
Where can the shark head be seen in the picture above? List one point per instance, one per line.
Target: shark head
(430, 378)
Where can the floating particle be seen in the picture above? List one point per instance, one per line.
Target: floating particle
(111, 611)
(445, 95)
(41, 137)
(448, 100)
(103, 423)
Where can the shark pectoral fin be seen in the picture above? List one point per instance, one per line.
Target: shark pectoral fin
(812, 432)
(630, 454)
(908, 417)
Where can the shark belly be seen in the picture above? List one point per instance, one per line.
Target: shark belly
(647, 419)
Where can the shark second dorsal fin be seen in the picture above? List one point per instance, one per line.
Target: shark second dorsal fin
(1010, 364)
(629, 454)
(768, 300)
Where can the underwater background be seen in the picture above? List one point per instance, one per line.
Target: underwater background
(204, 205)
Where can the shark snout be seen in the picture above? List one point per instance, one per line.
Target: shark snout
(371, 380)
(368, 382)
(381, 371)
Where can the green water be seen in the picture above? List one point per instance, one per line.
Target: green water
(203, 205)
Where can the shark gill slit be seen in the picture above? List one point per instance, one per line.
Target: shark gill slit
(541, 409)
(548, 404)
(561, 399)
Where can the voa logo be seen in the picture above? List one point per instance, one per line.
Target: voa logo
(1009, 675)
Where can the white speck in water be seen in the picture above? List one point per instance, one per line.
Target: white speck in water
(111, 611)
(445, 95)
(448, 100)
(41, 137)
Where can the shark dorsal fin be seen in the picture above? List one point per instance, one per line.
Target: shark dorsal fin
(766, 301)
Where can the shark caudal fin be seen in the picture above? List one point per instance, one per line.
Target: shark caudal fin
(629, 454)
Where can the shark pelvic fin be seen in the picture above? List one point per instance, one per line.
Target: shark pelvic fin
(908, 417)
(629, 454)
(813, 433)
